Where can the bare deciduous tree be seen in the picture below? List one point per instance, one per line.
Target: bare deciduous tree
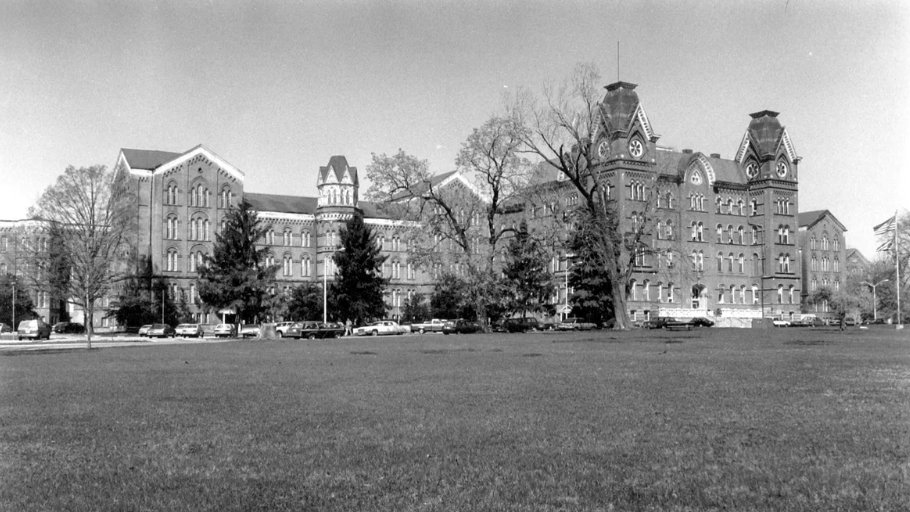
(87, 211)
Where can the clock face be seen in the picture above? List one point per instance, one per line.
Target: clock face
(782, 169)
(752, 170)
(603, 149)
(636, 148)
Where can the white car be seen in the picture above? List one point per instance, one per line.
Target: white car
(380, 327)
(282, 327)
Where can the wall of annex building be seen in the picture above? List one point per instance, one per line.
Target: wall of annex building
(823, 253)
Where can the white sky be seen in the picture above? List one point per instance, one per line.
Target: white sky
(277, 87)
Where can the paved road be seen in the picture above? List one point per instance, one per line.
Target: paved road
(62, 342)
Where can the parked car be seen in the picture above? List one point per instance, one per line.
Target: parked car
(780, 322)
(5, 328)
(36, 329)
(314, 330)
(701, 321)
(850, 321)
(144, 330)
(250, 331)
(521, 324)
(434, 325)
(460, 326)
(380, 327)
(68, 328)
(189, 330)
(574, 324)
(161, 331)
(282, 327)
(225, 331)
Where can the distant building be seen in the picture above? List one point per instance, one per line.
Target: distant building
(858, 266)
(23, 249)
(823, 256)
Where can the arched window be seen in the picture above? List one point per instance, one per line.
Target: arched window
(305, 239)
(171, 228)
(720, 233)
(730, 262)
(825, 243)
(836, 244)
(741, 207)
(270, 237)
(287, 237)
(669, 200)
(780, 294)
(730, 233)
(791, 295)
(720, 262)
(717, 206)
(753, 207)
(172, 260)
(205, 229)
(701, 232)
(287, 266)
(742, 263)
(836, 264)
(741, 236)
(170, 196)
(755, 298)
(669, 234)
(227, 197)
(305, 269)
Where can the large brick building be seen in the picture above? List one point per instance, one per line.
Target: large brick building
(722, 232)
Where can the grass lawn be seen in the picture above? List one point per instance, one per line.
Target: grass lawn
(717, 419)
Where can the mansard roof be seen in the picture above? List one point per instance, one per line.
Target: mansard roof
(147, 159)
(811, 218)
(337, 164)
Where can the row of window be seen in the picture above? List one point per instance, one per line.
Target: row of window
(825, 283)
(825, 264)
(25, 244)
(198, 196)
(725, 295)
(825, 245)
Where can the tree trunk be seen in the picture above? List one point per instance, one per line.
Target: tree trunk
(89, 311)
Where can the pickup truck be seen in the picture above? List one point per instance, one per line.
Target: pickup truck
(434, 325)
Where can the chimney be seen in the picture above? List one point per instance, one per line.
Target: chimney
(715, 155)
(687, 151)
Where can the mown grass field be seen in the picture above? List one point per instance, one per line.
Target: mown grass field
(718, 419)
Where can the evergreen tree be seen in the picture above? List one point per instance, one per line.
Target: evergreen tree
(24, 307)
(236, 274)
(592, 299)
(450, 298)
(305, 302)
(526, 273)
(356, 292)
(415, 309)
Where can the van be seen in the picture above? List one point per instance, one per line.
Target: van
(36, 329)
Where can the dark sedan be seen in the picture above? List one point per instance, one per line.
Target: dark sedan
(161, 331)
(68, 328)
(460, 326)
(313, 330)
(701, 322)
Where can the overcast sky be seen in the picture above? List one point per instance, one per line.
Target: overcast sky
(276, 88)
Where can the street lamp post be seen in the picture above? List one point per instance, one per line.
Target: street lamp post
(874, 305)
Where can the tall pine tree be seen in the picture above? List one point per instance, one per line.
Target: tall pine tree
(236, 274)
(526, 273)
(356, 292)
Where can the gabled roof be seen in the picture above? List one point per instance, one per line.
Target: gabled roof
(163, 161)
(811, 218)
(434, 181)
(855, 254)
(147, 159)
